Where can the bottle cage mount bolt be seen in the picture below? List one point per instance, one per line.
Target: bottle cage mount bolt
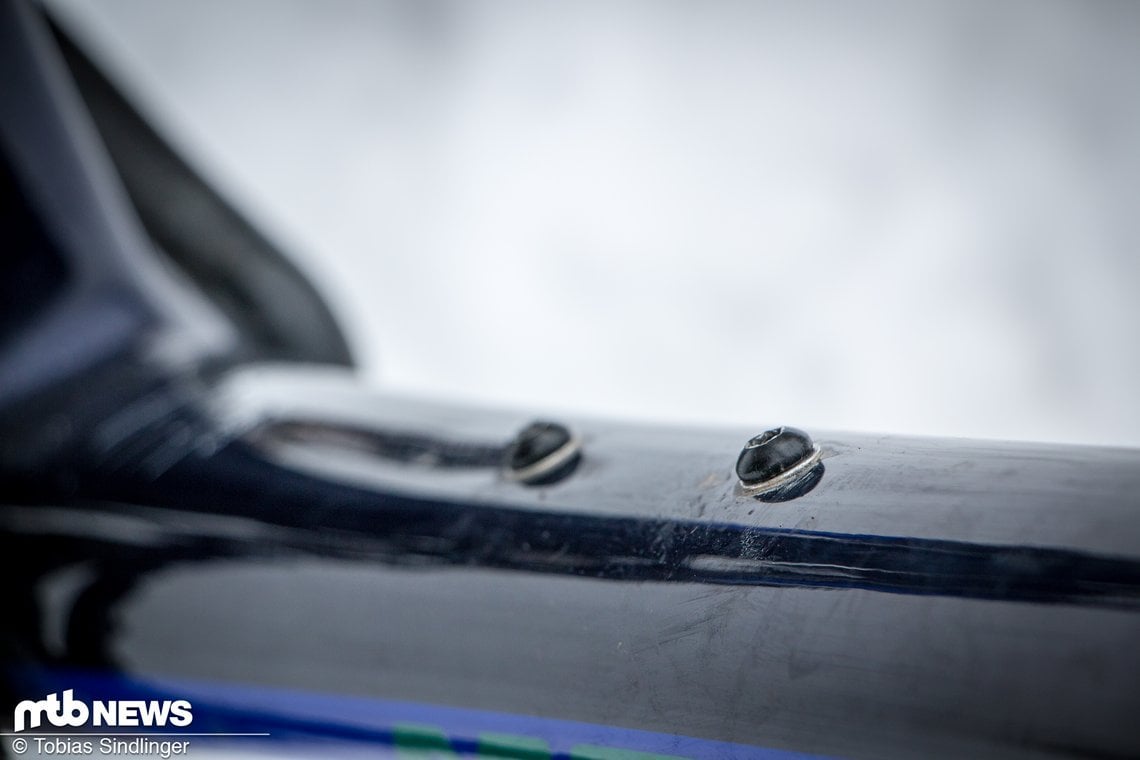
(542, 453)
(776, 457)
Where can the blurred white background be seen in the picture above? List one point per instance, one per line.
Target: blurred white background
(891, 216)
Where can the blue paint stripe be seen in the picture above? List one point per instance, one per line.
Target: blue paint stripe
(290, 715)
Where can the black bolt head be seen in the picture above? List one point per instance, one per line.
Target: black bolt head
(773, 453)
(540, 444)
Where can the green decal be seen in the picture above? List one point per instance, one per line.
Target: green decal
(511, 746)
(418, 742)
